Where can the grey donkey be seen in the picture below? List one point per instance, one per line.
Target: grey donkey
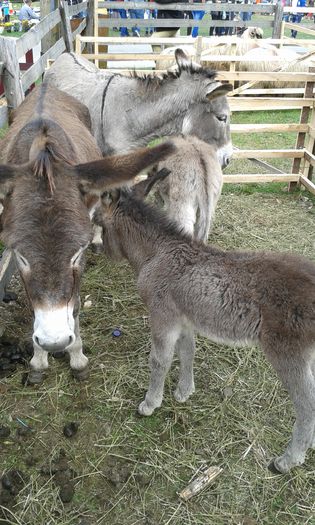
(131, 111)
(232, 297)
(191, 192)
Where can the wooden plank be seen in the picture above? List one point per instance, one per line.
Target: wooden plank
(301, 29)
(208, 8)
(66, 26)
(257, 104)
(269, 153)
(211, 41)
(310, 157)
(37, 69)
(277, 22)
(77, 8)
(269, 128)
(270, 75)
(264, 177)
(7, 269)
(80, 28)
(34, 36)
(308, 184)
(11, 76)
(179, 22)
(89, 30)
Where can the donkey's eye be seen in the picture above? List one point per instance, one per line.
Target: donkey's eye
(22, 262)
(222, 118)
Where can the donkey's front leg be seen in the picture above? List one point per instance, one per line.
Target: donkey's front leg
(78, 361)
(162, 351)
(38, 364)
(185, 348)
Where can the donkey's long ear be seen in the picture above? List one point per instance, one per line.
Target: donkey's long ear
(7, 174)
(182, 60)
(218, 91)
(143, 188)
(114, 171)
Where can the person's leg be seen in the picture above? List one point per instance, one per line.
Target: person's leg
(123, 15)
(197, 15)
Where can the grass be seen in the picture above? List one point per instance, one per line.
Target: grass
(128, 469)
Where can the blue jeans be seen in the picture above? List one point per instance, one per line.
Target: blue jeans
(197, 15)
(295, 19)
(123, 14)
(136, 13)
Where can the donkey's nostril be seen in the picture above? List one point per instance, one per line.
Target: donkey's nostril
(37, 340)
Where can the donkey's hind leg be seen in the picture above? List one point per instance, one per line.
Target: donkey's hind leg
(295, 371)
(185, 348)
(161, 356)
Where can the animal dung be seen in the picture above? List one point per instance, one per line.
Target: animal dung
(200, 483)
(4, 432)
(70, 429)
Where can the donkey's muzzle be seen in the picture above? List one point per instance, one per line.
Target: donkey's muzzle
(53, 346)
(54, 328)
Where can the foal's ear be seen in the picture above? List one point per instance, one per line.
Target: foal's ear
(7, 174)
(115, 171)
(182, 60)
(143, 188)
(219, 90)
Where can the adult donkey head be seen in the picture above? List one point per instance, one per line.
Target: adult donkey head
(46, 222)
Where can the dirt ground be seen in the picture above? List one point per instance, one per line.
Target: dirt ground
(112, 467)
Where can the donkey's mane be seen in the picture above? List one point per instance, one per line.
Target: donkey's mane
(45, 148)
(152, 81)
(156, 220)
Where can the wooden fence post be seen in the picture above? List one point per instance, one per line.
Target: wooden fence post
(304, 117)
(11, 72)
(89, 30)
(277, 21)
(66, 26)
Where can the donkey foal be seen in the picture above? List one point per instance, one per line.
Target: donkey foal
(231, 297)
(191, 192)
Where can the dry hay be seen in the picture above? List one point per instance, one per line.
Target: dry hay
(129, 469)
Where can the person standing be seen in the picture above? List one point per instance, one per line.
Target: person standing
(296, 17)
(167, 13)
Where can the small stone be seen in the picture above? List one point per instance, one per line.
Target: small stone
(70, 429)
(116, 333)
(4, 432)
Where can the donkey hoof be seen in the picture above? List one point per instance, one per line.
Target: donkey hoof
(81, 375)
(97, 248)
(181, 397)
(35, 377)
(273, 467)
(144, 410)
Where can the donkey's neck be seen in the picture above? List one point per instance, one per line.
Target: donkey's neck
(160, 111)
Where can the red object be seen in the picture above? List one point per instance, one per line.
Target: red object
(24, 66)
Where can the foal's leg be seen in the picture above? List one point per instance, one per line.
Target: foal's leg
(78, 361)
(38, 363)
(161, 356)
(97, 241)
(185, 348)
(297, 376)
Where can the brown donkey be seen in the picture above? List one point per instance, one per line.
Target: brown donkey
(50, 178)
(231, 297)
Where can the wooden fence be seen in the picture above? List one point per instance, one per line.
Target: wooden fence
(247, 97)
(15, 82)
(268, 9)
